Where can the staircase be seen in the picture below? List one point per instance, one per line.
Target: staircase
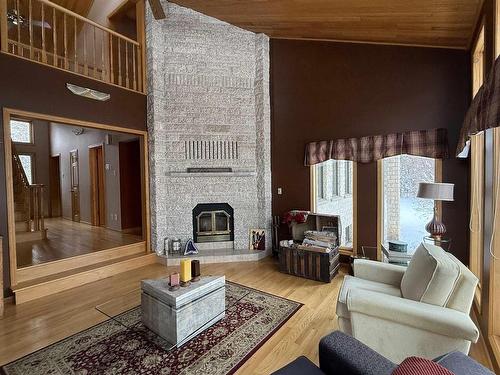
(28, 204)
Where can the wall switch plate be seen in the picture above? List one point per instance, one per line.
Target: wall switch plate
(280, 191)
(107, 166)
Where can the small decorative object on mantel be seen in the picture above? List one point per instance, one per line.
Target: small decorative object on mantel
(190, 248)
(176, 245)
(195, 271)
(185, 272)
(173, 281)
(257, 239)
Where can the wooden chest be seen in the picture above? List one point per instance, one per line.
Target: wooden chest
(309, 264)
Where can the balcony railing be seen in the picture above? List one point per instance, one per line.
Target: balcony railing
(42, 31)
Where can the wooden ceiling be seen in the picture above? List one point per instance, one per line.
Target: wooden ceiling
(441, 23)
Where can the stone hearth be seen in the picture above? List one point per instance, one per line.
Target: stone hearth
(209, 125)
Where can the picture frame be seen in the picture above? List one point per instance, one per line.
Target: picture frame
(257, 239)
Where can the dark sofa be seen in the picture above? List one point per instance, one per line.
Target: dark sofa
(341, 354)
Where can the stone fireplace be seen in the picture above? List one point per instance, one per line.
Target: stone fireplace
(213, 222)
(209, 131)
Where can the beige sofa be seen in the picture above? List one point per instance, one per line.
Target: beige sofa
(422, 310)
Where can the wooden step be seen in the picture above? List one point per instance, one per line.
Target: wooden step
(45, 286)
(57, 266)
(24, 236)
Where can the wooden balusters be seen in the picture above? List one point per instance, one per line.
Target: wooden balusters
(44, 50)
(54, 36)
(18, 9)
(75, 47)
(118, 59)
(120, 82)
(111, 63)
(30, 26)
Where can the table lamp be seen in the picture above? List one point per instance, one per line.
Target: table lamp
(436, 192)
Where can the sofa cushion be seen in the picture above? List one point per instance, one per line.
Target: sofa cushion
(351, 282)
(431, 276)
(300, 366)
(420, 366)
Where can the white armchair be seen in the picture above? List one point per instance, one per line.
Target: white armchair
(422, 310)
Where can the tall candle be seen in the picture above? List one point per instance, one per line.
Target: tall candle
(185, 270)
(195, 269)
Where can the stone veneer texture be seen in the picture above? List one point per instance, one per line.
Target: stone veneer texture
(208, 106)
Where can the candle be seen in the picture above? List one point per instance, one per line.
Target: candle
(185, 270)
(195, 270)
(173, 279)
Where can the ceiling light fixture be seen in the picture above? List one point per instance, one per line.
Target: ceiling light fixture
(88, 93)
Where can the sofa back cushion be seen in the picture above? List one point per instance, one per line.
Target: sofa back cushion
(431, 276)
(462, 296)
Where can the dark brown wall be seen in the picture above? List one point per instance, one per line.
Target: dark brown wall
(36, 88)
(325, 90)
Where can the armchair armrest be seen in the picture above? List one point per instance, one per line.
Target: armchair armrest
(437, 319)
(378, 271)
(343, 354)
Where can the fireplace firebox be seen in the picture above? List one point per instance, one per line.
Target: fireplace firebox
(213, 222)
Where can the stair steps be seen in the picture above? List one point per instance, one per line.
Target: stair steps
(58, 282)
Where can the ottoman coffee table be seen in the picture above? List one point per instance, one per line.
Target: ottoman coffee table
(177, 316)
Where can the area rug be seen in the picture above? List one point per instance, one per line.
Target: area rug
(122, 345)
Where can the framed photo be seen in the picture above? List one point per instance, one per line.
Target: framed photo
(257, 239)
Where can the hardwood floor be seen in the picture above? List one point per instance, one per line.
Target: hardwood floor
(66, 238)
(36, 324)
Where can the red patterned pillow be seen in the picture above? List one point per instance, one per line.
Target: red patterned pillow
(420, 366)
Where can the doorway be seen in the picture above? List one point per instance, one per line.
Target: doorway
(130, 186)
(97, 192)
(55, 186)
(75, 185)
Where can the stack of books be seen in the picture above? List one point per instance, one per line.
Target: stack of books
(396, 257)
(320, 241)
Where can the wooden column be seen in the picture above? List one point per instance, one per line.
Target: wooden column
(3, 25)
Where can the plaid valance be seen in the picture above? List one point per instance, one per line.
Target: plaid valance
(430, 143)
(484, 112)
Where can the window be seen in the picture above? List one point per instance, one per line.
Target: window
(347, 177)
(21, 131)
(404, 216)
(332, 191)
(28, 166)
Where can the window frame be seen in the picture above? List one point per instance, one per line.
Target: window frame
(345, 250)
(32, 156)
(31, 130)
(438, 177)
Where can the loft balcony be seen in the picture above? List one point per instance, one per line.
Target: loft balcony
(50, 34)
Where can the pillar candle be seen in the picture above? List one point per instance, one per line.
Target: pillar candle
(185, 270)
(195, 268)
(174, 279)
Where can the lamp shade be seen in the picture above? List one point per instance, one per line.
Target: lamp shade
(435, 191)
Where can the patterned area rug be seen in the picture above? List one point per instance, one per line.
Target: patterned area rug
(122, 345)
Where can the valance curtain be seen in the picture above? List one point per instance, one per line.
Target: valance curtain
(484, 112)
(430, 143)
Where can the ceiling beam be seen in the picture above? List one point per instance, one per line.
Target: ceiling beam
(158, 12)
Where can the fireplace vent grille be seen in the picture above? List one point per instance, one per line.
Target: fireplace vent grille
(211, 150)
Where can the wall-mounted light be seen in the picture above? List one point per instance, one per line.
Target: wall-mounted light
(88, 93)
(78, 131)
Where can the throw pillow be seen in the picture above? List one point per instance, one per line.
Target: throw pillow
(420, 366)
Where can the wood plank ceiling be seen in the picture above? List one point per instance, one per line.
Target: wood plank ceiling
(442, 23)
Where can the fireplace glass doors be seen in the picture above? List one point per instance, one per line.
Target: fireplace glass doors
(213, 222)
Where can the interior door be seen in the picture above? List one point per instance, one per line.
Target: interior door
(97, 197)
(75, 185)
